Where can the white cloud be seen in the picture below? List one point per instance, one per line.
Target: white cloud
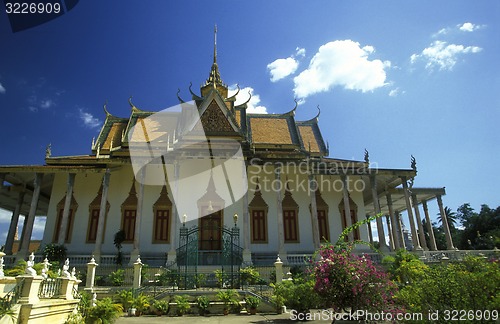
(443, 55)
(5, 216)
(47, 103)
(88, 119)
(38, 227)
(282, 68)
(300, 51)
(341, 63)
(253, 106)
(395, 92)
(2, 88)
(469, 27)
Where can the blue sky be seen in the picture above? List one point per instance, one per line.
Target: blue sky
(397, 78)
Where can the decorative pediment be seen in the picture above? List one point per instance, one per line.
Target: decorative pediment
(163, 201)
(216, 117)
(258, 201)
(96, 202)
(211, 195)
(73, 204)
(288, 201)
(131, 200)
(320, 202)
(352, 205)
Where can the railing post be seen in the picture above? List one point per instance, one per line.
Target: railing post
(29, 290)
(66, 291)
(137, 273)
(279, 270)
(91, 274)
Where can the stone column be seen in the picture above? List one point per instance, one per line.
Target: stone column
(171, 257)
(389, 233)
(395, 224)
(433, 246)
(13, 223)
(314, 212)
(30, 219)
(137, 273)
(401, 237)
(279, 211)
(67, 206)
(370, 234)
(380, 225)
(89, 285)
(414, 237)
(347, 207)
(138, 218)
(102, 215)
(247, 254)
(421, 233)
(447, 233)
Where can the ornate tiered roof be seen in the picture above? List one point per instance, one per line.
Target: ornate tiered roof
(266, 135)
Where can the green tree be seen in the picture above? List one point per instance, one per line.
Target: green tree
(451, 217)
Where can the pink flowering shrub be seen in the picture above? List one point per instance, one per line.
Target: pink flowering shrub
(346, 281)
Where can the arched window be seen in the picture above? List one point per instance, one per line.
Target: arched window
(162, 211)
(354, 216)
(322, 208)
(94, 210)
(290, 218)
(129, 214)
(71, 218)
(258, 217)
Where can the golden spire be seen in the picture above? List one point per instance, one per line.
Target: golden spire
(215, 44)
(214, 77)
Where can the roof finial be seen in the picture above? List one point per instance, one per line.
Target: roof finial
(215, 44)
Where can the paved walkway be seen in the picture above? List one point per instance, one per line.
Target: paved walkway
(229, 319)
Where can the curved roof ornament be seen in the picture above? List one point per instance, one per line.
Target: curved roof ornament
(130, 102)
(413, 163)
(134, 108)
(195, 96)
(105, 107)
(233, 97)
(179, 97)
(319, 113)
(248, 100)
(249, 97)
(292, 112)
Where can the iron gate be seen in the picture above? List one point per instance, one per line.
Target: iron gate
(194, 251)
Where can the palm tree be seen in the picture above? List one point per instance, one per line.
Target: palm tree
(451, 217)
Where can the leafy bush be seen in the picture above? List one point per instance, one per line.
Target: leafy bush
(105, 310)
(249, 275)
(141, 303)
(346, 281)
(406, 268)
(203, 303)
(471, 285)
(125, 298)
(182, 304)
(160, 307)
(252, 302)
(117, 278)
(55, 252)
(228, 297)
(200, 280)
(298, 295)
(17, 270)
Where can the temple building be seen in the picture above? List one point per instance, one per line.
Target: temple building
(294, 196)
